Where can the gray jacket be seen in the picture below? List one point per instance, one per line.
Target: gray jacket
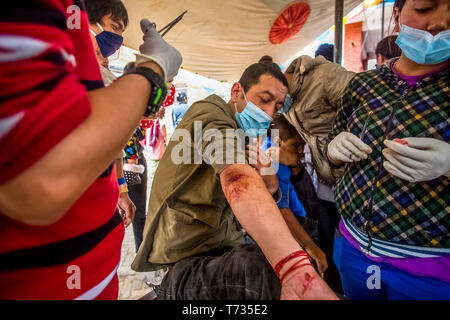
(316, 90)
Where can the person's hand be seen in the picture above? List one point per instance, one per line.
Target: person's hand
(126, 208)
(347, 147)
(419, 159)
(156, 49)
(259, 160)
(318, 256)
(305, 284)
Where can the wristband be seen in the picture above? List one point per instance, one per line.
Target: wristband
(158, 90)
(293, 255)
(122, 181)
(123, 188)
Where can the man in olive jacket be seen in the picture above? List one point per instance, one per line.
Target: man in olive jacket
(197, 210)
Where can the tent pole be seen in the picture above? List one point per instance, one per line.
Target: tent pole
(382, 21)
(338, 17)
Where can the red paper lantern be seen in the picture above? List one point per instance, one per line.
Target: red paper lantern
(289, 22)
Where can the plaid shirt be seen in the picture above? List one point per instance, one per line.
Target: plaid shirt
(373, 200)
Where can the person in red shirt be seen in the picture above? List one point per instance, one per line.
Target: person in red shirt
(107, 22)
(60, 130)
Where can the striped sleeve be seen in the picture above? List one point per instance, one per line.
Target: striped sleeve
(46, 67)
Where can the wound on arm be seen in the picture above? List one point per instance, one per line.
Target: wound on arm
(235, 184)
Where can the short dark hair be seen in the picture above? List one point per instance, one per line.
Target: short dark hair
(254, 72)
(97, 9)
(388, 48)
(326, 50)
(265, 59)
(286, 130)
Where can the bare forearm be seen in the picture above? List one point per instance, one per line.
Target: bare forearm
(119, 168)
(257, 212)
(295, 227)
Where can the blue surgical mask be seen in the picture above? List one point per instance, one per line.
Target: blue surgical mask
(252, 119)
(422, 47)
(287, 104)
(108, 42)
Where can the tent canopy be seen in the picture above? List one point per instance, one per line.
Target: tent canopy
(220, 38)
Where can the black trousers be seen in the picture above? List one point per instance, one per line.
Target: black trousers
(328, 220)
(239, 273)
(138, 194)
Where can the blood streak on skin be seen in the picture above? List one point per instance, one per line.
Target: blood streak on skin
(403, 142)
(307, 284)
(236, 178)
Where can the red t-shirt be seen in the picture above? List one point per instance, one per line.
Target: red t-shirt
(47, 65)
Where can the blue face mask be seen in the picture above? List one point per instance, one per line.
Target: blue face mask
(108, 42)
(252, 119)
(287, 104)
(422, 47)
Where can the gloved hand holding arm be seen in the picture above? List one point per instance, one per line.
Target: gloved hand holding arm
(156, 49)
(422, 159)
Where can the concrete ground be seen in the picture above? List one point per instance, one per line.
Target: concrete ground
(131, 283)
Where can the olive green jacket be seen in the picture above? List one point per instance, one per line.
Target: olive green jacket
(188, 213)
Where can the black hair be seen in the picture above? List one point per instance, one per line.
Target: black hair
(254, 72)
(388, 48)
(286, 130)
(97, 9)
(326, 50)
(399, 4)
(265, 59)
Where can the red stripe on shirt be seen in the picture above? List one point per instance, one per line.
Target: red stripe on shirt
(52, 111)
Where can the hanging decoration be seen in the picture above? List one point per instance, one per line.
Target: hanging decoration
(289, 22)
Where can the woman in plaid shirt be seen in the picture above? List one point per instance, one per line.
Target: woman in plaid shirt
(392, 132)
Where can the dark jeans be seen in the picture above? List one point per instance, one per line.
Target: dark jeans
(239, 273)
(138, 194)
(328, 218)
